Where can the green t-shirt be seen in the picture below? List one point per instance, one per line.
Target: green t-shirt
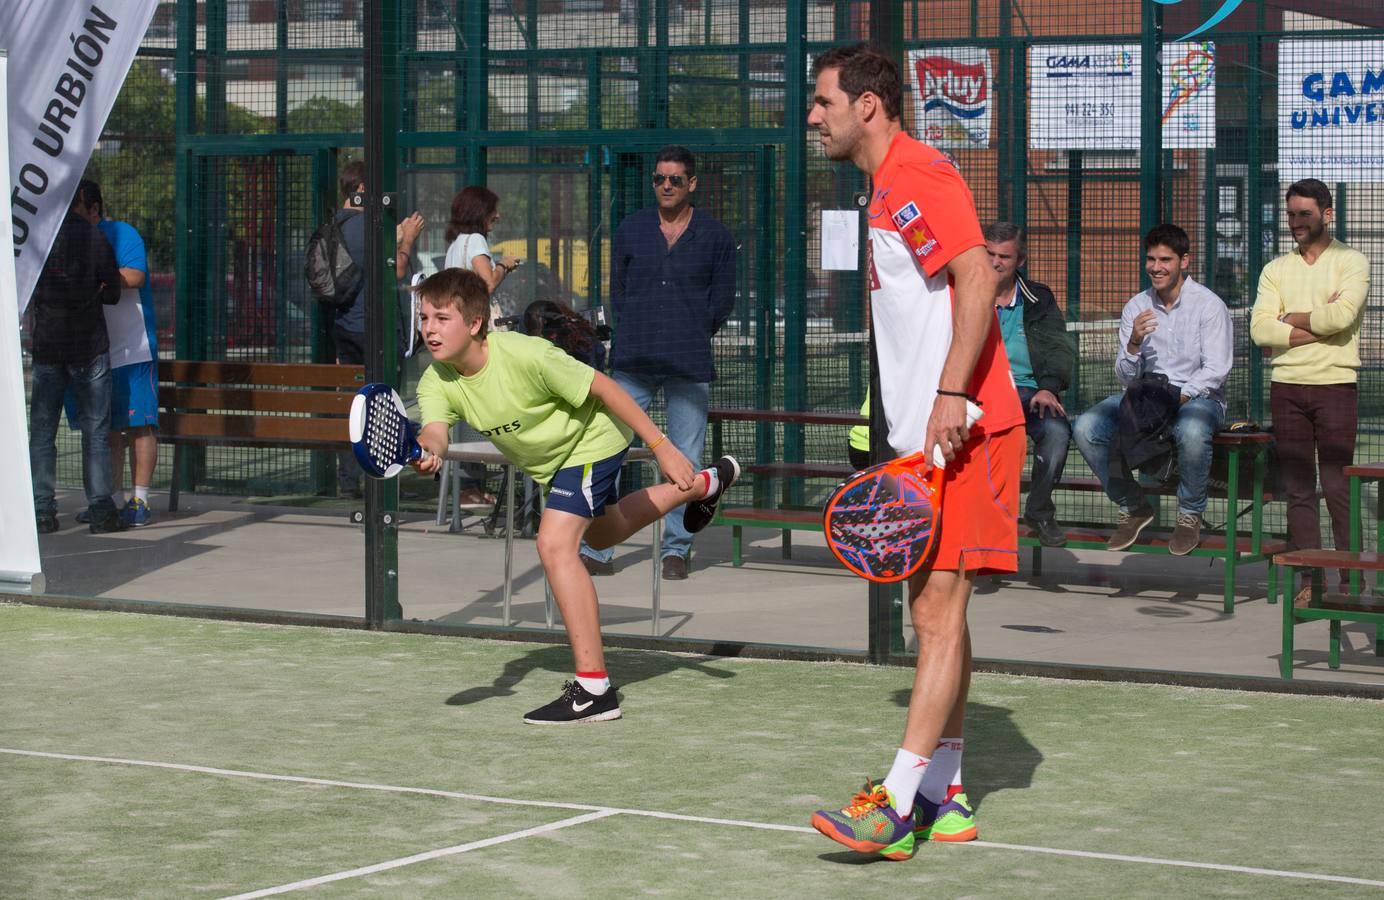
(531, 400)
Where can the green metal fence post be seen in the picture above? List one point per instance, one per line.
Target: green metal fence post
(381, 21)
(1254, 205)
(795, 231)
(1151, 120)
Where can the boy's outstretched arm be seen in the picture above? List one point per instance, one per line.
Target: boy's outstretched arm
(433, 437)
(673, 464)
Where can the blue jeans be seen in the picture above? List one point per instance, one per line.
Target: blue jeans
(91, 388)
(1196, 426)
(1051, 436)
(686, 401)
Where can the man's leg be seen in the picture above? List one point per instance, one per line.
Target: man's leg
(642, 389)
(45, 407)
(350, 350)
(1337, 412)
(638, 511)
(91, 388)
(1094, 432)
(1194, 431)
(559, 535)
(687, 403)
(1295, 433)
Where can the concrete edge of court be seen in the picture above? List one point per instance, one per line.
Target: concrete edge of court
(721, 648)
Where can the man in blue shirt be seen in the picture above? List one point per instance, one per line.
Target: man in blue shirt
(348, 327)
(1179, 329)
(672, 286)
(134, 353)
(1041, 357)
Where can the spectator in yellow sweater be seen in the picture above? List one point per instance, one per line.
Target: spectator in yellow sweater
(1308, 312)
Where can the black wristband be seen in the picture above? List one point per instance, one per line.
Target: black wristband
(961, 394)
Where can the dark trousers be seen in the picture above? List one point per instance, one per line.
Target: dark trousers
(1314, 425)
(1051, 436)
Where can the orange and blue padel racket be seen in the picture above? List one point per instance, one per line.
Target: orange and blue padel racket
(881, 523)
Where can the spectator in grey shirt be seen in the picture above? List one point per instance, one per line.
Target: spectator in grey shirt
(1181, 329)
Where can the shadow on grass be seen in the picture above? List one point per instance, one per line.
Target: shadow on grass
(626, 669)
(998, 755)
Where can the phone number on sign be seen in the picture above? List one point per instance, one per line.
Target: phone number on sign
(1089, 110)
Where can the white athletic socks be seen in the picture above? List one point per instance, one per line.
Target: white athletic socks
(944, 771)
(904, 778)
(595, 683)
(142, 492)
(713, 481)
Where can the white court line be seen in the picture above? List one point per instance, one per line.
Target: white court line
(679, 817)
(424, 857)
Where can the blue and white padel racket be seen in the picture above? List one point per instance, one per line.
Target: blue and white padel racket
(382, 436)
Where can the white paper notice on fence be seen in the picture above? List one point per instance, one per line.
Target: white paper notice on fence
(1331, 110)
(951, 96)
(840, 240)
(1189, 96)
(1084, 97)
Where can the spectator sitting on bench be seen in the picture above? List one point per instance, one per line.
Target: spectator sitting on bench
(1180, 329)
(1041, 358)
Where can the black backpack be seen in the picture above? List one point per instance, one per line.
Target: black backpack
(332, 274)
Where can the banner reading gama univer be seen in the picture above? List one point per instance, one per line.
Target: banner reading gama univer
(68, 59)
(1331, 110)
(951, 96)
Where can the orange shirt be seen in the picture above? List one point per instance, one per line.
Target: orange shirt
(922, 217)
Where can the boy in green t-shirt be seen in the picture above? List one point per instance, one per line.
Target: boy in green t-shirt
(568, 427)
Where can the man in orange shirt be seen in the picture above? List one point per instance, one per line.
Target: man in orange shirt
(932, 291)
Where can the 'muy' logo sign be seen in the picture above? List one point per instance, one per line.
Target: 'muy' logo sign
(1217, 17)
(959, 88)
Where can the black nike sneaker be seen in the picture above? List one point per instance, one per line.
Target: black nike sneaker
(698, 515)
(577, 704)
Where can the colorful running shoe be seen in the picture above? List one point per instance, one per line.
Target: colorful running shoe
(869, 824)
(952, 821)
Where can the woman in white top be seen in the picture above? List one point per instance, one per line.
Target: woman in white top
(475, 210)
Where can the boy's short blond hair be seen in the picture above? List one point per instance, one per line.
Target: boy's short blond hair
(460, 289)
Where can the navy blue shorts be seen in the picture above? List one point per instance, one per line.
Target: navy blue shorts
(586, 489)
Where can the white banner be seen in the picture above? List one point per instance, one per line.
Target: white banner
(1189, 96)
(951, 96)
(1331, 110)
(1084, 97)
(19, 559)
(68, 59)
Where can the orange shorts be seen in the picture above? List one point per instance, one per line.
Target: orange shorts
(980, 506)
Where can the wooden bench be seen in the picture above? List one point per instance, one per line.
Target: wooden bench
(1229, 545)
(252, 404)
(1334, 608)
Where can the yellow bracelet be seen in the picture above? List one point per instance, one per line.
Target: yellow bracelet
(661, 439)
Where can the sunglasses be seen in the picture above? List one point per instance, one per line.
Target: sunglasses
(675, 180)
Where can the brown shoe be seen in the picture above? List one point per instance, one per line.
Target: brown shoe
(1128, 526)
(1303, 598)
(674, 568)
(598, 566)
(1186, 534)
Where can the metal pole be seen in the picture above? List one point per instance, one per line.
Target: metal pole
(381, 20)
(1151, 124)
(509, 540)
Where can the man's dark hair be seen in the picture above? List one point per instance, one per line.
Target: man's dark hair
(680, 155)
(862, 68)
(472, 208)
(89, 192)
(1312, 189)
(1170, 236)
(352, 176)
(1002, 232)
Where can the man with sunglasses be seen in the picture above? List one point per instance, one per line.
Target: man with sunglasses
(672, 286)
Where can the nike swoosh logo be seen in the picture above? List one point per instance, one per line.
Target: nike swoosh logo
(581, 707)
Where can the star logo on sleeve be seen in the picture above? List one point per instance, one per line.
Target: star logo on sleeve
(913, 229)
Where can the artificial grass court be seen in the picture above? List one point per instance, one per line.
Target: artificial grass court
(152, 756)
